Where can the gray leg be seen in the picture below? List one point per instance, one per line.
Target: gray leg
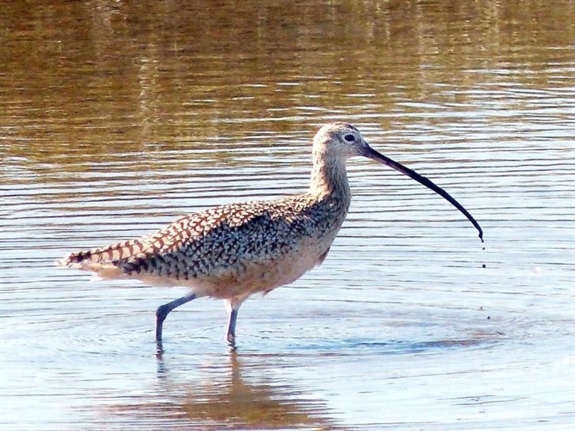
(232, 305)
(163, 311)
(231, 333)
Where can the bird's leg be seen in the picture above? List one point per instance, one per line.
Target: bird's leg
(232, 305)
(161, 314)
(231, 332)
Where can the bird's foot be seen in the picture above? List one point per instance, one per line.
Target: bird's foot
(159, 349)
(231, 340)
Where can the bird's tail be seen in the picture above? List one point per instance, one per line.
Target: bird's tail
(104, 261)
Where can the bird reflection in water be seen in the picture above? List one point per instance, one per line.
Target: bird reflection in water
(230, 393)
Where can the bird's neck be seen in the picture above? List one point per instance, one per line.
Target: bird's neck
(329, 179)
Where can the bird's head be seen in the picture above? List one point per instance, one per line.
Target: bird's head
(340, 141)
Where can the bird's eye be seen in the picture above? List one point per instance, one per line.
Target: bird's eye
(349, 138)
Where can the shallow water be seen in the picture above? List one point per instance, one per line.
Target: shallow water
(117, 119)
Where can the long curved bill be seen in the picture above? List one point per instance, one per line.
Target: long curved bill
(370, 153)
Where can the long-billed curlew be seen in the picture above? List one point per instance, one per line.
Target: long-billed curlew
(233, 251)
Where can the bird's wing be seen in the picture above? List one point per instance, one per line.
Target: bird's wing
(201, 242)
(216, 241)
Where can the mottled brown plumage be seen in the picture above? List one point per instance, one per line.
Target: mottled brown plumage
(213, 251)
(233, 251)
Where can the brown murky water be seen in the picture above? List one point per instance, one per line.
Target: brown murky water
(117, 117)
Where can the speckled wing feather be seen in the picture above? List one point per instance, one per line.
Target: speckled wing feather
(212, 243)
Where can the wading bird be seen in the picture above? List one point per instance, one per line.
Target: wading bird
(233, 251)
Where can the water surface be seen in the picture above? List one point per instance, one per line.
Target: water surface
(117, 118)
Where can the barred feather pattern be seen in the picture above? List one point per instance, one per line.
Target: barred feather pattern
(227, 247)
